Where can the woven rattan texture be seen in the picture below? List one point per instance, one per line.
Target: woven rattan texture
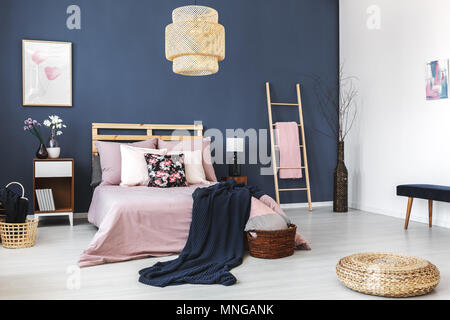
(386, 274)
(18, 235)
(272, 244)
(195, 42)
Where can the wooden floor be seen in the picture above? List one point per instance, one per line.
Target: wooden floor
(40, 272)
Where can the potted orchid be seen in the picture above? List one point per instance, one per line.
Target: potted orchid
(55, 123)
(32, 126)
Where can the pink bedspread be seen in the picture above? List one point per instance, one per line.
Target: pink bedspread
(138, 222)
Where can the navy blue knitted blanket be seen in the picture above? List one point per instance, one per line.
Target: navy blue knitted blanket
(215, 243)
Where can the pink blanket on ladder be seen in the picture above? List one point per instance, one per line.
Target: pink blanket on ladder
(289, 146)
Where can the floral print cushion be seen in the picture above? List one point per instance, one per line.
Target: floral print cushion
(166, 171)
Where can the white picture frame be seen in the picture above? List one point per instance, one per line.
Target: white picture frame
(47, 73)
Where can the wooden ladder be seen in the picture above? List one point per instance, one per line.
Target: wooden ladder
(302, 146)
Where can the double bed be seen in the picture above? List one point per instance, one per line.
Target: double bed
(139, 221)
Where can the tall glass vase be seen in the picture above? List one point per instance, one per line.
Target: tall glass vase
(53, 143)
(340, 194)
(53, 146)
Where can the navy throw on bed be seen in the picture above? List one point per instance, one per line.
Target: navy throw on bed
(215, 243)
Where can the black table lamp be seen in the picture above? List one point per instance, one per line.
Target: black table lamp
(235, 145)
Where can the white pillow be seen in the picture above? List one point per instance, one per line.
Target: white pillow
(134, 167)
(193, 166)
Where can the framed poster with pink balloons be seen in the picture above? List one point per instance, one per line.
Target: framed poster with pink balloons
(47, 73)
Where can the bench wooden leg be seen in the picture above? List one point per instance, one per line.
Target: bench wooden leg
(430, 213)
(408, 212)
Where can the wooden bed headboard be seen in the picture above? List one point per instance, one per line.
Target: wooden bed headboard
(96, 136)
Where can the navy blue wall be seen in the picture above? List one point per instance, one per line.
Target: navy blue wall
(120, 74)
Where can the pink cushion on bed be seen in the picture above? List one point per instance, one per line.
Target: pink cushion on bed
(110, 158)
(192, 145)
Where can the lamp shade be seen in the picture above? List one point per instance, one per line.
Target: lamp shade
(235, 145)
(195, 41)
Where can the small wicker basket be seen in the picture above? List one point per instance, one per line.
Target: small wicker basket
(272, 244)
(19, 235)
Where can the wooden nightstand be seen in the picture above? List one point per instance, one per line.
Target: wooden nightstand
(57, 175)
(237, 179)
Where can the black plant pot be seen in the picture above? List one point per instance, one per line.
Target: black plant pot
(340, 194)
(41, 152)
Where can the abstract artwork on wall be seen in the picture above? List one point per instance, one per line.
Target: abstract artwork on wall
(437, 79)
(47, 73)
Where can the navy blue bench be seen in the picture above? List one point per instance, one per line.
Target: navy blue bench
(429, 192)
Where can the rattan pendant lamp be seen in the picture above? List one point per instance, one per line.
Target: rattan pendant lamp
(195, 41)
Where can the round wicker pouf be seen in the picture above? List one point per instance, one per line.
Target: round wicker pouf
(388, 275)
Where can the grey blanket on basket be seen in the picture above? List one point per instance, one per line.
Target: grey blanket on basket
(271, 221)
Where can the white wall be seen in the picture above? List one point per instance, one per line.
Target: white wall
(400, 137)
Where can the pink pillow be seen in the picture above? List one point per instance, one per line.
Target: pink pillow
(192, 145)
(259, 208)
(111, 160)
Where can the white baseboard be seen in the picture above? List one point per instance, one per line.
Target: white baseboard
(80, 215)
(305, 205)
(401, 215)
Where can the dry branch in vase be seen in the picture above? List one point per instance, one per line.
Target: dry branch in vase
(338, 104)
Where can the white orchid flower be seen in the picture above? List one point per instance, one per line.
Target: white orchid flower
(55, 122)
